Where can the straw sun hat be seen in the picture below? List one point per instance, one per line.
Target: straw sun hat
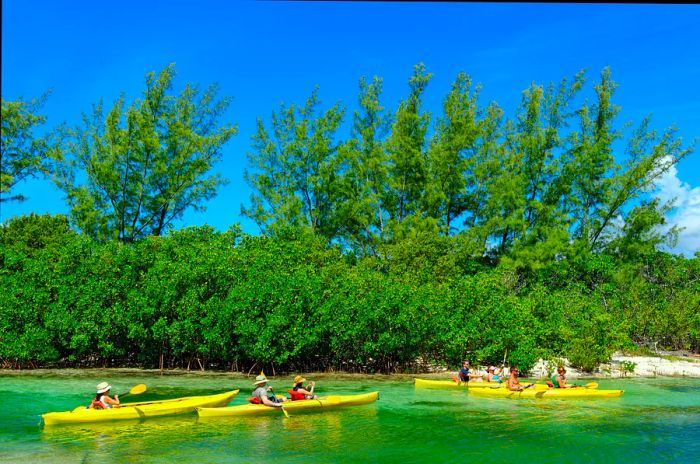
(103, 387)
(259, 380)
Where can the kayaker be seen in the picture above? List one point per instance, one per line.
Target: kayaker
(262, 393)
(513, 382)
(102, 399)
(299, 392)
(559, 379)
(491, 375)
(464, 372)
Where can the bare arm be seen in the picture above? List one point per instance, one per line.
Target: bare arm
(513, 384)
(561, 381)
(108, 400)
(267, 402)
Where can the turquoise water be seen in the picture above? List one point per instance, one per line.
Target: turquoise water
(656, 420)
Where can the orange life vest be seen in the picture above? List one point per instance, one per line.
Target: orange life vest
(296, 395)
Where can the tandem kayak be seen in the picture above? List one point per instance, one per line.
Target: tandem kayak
(323, 402)
(426, 383)
(140, 410)
(581, 392)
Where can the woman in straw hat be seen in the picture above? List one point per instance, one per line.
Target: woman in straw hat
(260, 393)
(298, 392)
(102, 399)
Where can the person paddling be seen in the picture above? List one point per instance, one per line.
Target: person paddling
(260, 393)
(491, 375)
(464, 372)
(559, 379)
(298, 392)
(102, 399)
(513, 382)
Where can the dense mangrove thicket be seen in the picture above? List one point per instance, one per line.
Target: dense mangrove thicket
(416, 237)
(204, 299)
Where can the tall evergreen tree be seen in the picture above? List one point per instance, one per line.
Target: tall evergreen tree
(602, 189)
(406, 146)
(24, 153)
(452, 156)
(362, 211)
(147, 163)
(296, 169)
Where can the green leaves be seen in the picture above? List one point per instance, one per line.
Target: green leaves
(295, 169)
(147, 163)
(465, 233)
(23, 154)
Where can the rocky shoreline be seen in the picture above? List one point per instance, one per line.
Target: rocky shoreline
(622, 365)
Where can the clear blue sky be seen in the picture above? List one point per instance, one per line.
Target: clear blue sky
(266, 53)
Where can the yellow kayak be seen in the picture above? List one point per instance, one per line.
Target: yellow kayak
(140, 410)
(323, 402)
(426, 383)
(580, 392)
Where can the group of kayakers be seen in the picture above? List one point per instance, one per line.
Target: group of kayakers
(262, 393)
(493, 374)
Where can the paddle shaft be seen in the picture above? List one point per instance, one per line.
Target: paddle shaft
(286, 414)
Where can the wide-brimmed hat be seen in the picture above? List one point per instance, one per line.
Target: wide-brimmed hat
(299, 379)
(260, 380)
(103, 387)
(491, 368)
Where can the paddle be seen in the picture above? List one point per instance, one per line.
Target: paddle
(588, 385)
(135, 390)
(530, 385)
(286, 414)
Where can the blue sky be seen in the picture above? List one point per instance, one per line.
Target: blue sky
(266, 53)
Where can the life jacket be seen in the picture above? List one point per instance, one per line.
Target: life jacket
(296, 395)
(97, 404)
(254, 400)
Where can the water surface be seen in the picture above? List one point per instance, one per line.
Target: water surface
(656, 420)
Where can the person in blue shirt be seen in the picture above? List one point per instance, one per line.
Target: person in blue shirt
(491, 375)
(464, 372)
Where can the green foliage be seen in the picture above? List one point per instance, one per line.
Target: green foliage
(480, 236)
(200, 297)
(24, 154)
(295, 180)
(627, 367)
(147, 163)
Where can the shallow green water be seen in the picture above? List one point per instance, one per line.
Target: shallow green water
(656, 420)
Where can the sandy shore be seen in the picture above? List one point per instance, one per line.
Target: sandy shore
(633, 366)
